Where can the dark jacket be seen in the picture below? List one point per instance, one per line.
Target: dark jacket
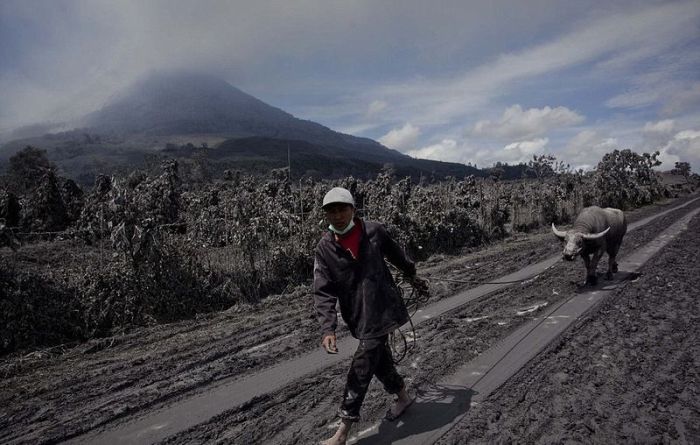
(370, 302)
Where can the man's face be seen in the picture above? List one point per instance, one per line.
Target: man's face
(339, 215)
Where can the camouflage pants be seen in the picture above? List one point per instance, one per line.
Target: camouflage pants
(372, 358)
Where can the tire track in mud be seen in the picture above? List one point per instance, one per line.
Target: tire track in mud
(446, 323)
(144, 379)
(626, 373)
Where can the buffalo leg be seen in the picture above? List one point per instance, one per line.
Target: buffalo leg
(587, 263)
(612, 262)
(591, 277)
(612, 267)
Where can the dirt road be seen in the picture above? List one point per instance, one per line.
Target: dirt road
(53, 395)
(627, 373)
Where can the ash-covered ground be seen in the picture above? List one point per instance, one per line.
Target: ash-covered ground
(627, 373)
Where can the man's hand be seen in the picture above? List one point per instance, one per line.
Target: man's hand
(329, 344)
(419, 284)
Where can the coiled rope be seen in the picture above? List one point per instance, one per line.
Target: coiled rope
(417, 297)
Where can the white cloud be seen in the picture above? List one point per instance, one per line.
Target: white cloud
(445, 150)
(522, 151)
(683, 146)
(402, 139)
(462, 151)
(587, 148)
(517, 123)
(664, 126)
(453, 150)
(687, 135)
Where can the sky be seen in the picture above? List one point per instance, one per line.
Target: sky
(473, 82)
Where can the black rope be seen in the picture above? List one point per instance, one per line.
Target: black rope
(418, 296)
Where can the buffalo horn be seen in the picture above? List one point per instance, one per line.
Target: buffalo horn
(558, 232)
(592, 236)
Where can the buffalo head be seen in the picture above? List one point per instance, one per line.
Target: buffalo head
(573, 241)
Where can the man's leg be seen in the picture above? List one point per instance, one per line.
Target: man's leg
(393, 382)
(364, 364)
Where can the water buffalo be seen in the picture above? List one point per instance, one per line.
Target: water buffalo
(595, 231)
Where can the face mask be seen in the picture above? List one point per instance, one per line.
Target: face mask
(332, 228)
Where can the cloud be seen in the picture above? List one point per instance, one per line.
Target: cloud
(517, 123)
(682, 99)
(581, 150)
(687, 135)
(665, 83)
(664, 126)
(434, 101)
(587, 148)
(463, 151)
(445, 150)
(376, 107)
(402, 139)
(683, 146)
(522, 151)
(454, 150)
(634, 99)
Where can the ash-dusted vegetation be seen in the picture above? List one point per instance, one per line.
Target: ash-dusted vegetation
(153, 247)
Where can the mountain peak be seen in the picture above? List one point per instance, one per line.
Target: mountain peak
(186, 103)
(183, 102)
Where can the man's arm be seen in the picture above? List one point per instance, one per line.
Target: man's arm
(324, 302)
(395, 254)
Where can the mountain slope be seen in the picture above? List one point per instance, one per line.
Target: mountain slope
(181, 108)
(191, 103)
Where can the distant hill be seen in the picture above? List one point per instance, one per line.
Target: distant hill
(181, 107)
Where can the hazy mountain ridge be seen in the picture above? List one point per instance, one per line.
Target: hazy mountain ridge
(172, 107)
(187, 103)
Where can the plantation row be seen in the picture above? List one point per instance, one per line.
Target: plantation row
(146, 249)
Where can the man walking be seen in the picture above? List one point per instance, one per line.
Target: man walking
(349, 269)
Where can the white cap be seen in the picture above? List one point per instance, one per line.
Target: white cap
(338, 195)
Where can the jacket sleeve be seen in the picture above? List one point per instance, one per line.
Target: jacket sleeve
(395, 254)
(324, 295)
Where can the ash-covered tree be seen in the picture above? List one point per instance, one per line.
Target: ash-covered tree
(625, 179)
(682, 169)
(45, 209)
(9, 208)
(27, 167)
(546, 166)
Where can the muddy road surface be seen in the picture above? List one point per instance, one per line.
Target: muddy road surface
(629, 372)
(54, 395)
